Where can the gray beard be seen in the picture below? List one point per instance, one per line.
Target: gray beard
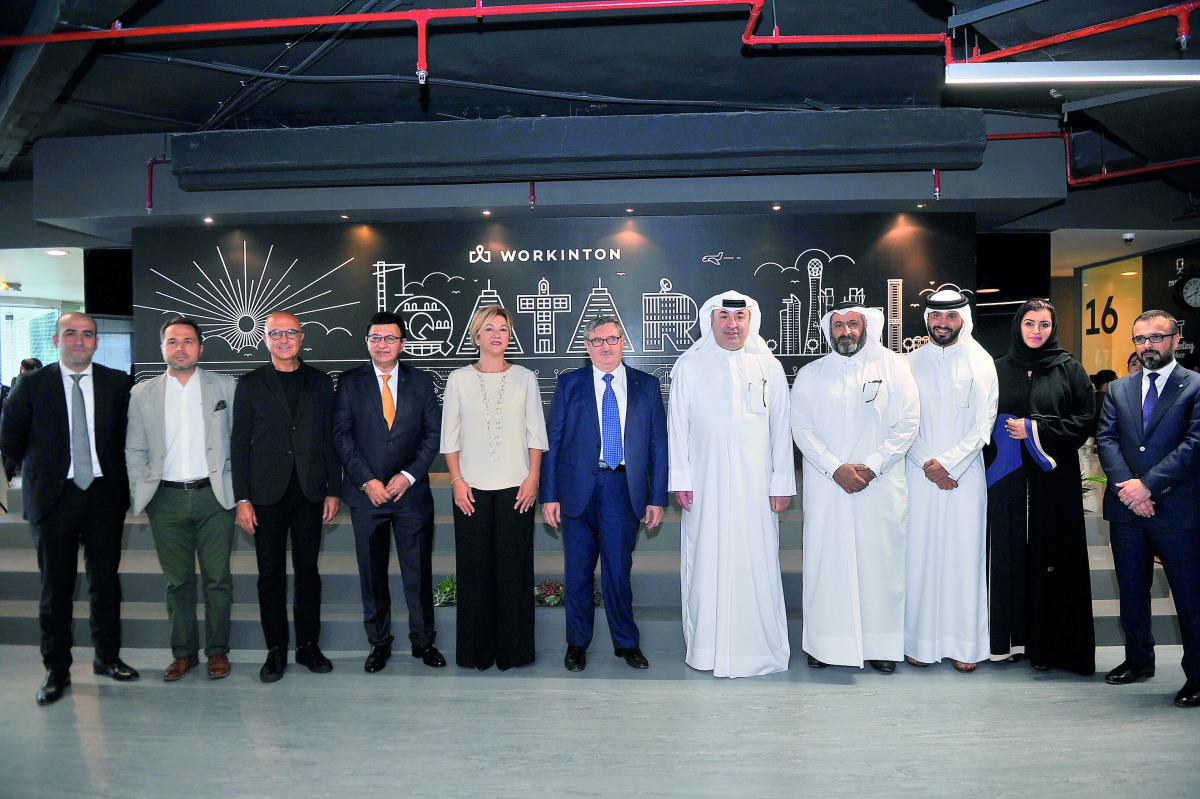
(847, 349)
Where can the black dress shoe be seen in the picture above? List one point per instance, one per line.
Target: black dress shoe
(633, 657)
(310, 656)
(883, 666)
(56, 683)
(576, 659)
(813, 663)
(276, 663)
(378, 658)
(429, 655)
(116, 668)
(1128, 673)
(1188, 696)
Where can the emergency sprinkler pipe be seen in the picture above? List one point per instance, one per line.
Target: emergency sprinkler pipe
(153, 162)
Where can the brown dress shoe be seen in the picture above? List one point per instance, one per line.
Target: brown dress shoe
(180, 667)
(218, 667)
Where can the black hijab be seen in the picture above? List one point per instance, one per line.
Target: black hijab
(1045, 356)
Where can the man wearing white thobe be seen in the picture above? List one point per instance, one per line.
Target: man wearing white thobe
(945, 607)
(731, 470)
(855, 413)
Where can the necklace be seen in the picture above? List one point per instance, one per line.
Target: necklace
(493, 438)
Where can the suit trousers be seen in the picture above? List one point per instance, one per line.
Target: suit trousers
(1134, 545)
(412, 527)
(293, 514)
(191, 526)
(95, 519)
(607, 528)
(494, 552)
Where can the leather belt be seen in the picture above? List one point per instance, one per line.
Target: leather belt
(605, 467)
(186, 485)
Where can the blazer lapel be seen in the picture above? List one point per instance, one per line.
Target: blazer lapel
(402, 379)
(587, 388)
(1166, 398)
(156, 433)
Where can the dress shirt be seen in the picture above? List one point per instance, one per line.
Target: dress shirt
(620, 385)
(391, 384)
(89, 405)
(1163, 373)
(185, 457)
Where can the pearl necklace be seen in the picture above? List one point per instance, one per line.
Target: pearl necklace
(493, 439)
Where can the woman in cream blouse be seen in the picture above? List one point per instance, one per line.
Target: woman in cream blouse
(493, 436)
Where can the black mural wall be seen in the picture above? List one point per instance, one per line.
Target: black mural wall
(554, 275)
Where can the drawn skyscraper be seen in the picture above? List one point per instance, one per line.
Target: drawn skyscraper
(598, 303)
(543, 306)
(789, 326)
(381, 270)
(466, 345)
(814, 342)
(895, 321)
(667, 316)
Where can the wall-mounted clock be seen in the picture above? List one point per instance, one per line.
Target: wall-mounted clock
(1187, 290)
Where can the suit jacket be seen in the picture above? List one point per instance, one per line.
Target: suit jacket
(43, 444)
(369, 450)
(146, 440)
(267, 441)
(1166, 457)
(569, 467)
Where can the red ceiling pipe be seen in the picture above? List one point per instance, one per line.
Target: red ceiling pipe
(1180, 11)
(1105, 174)
(153, 162)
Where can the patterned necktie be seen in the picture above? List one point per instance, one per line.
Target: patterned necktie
(389, 404)
(610, 425)
(81, 445)
(1151, 400)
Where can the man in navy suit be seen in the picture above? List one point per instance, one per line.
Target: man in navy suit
(1149, 442)
(386, 426)
(604, 475)
(65, 425)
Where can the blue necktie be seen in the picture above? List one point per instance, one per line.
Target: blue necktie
(610, 425)
(1150, 401)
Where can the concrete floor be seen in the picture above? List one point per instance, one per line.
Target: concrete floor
(610, 731)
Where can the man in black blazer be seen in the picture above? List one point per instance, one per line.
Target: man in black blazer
(1149, 443)
(285, 478)
(75, 492)
(386, 426)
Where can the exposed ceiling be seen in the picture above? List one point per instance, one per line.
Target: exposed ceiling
(587, 63)
(41, 275)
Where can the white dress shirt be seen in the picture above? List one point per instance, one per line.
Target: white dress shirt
(185, 457)
(89, 405)
(391, 384)
(620, 385)
(1163, 373)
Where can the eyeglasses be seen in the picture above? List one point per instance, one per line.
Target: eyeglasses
(375, 338)
(275, 335)
(1154, 338)
(596, 342)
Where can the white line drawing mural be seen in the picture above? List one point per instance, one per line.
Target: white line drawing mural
(598, 303)
(544, 306)
(789, 326)
(895, 315)
(235, 310)
(467, 346)
(430, 325)
(667, 316)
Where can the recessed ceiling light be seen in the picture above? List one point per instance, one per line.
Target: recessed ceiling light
(486, 212)
(921, 205)
(629, 210)
(776, 207)
(57, 253)
(345, 216)
(208, 220)
(1128, 274)
(987, 291)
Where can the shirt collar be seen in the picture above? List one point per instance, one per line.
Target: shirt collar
(618, 373)
(1163, 373)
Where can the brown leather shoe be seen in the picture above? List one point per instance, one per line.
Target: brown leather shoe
(218, 667)
(180, 667)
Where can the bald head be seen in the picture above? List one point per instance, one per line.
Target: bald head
(283, 337)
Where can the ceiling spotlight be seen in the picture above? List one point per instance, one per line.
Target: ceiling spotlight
(1128, 274)
(6, 286)
(208, 220)
(345, 216)
(486, 212)
(629, 210)
(57, 253)
(987, 291)
(921, 205)
(776, 207)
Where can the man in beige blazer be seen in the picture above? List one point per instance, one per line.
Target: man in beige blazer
(177, 454)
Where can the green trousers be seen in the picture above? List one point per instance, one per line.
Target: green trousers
(191, 526)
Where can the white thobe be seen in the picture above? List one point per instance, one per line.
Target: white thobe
(729, 445)
(945, 610)
(858, 409)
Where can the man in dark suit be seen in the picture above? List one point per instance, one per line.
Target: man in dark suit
(285, 475)
(605, 474)
(1149, 443)
(75, 492)
(386, 427)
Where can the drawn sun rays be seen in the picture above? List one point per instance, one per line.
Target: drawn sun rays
(235, 309)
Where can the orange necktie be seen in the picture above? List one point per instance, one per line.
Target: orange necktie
(389, 404)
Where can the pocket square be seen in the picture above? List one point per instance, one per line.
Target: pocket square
(220, 406)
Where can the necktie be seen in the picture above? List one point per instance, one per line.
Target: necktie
(81, 445)
(389, 404)
(610, 425)
(1151, 400)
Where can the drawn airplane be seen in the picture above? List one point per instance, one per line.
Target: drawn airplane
(715, 260)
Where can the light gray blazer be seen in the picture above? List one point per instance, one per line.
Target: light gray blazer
(145, 438)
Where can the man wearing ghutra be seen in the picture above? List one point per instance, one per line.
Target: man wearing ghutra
(855, 413)
(945, 608)
(731, 470)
